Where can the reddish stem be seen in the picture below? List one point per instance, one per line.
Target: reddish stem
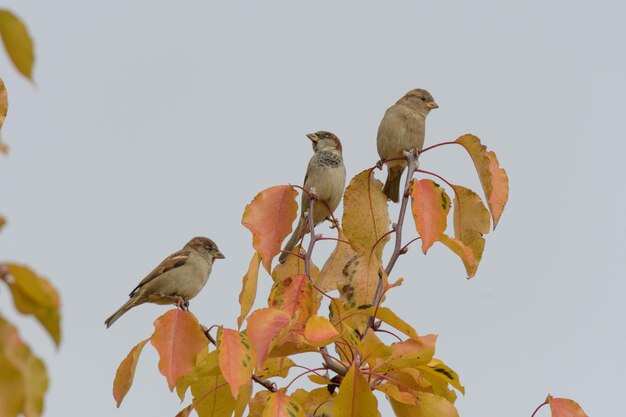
(538, 408)
(438, 145)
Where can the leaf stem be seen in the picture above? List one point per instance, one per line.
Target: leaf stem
(538, 408)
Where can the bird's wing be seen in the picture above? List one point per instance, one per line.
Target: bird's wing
(175, 260)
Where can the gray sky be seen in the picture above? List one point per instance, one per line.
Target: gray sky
(152, 122)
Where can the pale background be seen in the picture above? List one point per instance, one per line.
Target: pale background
(152, 122)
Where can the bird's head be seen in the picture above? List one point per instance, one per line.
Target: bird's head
(324, 141)
(205, 247)
(419, 99)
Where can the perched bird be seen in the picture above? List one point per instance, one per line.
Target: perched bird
(402, 129)
(177, 279)
(327, 174)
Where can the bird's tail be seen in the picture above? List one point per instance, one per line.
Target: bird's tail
(293, 240)
(392, 185)
(121, 311)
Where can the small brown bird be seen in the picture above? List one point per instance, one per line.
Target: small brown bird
(177, 279)
(327, 174)
(402, 129)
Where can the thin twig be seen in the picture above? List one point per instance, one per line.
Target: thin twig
(309, 252)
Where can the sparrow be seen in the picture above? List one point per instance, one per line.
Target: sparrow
(327, 175)
(177, 279)
(402, 129)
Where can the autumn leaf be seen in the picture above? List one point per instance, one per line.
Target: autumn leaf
(295, 297)
(471, 220)
(272, 367)
(4, 108)
(365, 213)
(392, 391)
(428, 405)
(178, 338)
(280, 405)
(264, 326)
(388, 316)
(206, 366)
(330, 276)
(248, 290)
(493, 179)
(2, 219)
(314, 402)
(236, 358)
(430, 206)
(355, 397)
(319, 331)
(564, 407)
(407, 354)
(24, 380)
(35, 295)
(464, 252)
(212, 397)
(126, 373)
(17, 42)
(442, 371)
(359, 280)
(293, 265)
(257, 403)
(245, 393)
(269, 217)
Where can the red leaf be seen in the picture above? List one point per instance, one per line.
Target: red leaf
(236, 358)
(430, 206)
(269, 217)
(126, 373)
(179, 339)
(280, 405)
(263, 327)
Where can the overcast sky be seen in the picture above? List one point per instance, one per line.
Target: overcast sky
(152, 122)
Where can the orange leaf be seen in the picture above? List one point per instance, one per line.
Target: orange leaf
(394, 392)
(269, 217)
(248, 290)
(35, 295)
(17, 42)
(430, 206)
(179, 339)
(471, 220)
(464, 252)
(264, 326)
(4, 108)
(23, 376)
(365, 214)
(236, 358)
(126, 373)
(280, 405)
(319, 331)
(563, 407)
(295, 297)
(355, 397)
(493, 179)
(428, 405)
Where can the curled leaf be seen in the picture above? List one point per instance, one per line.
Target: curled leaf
(464, 252)
(471, 220)
(126, 373)
(248, 289)
(493, 179)
(269, 217)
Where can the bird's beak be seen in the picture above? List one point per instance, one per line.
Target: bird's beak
(313, 137)
(219, 255)
(432, 105)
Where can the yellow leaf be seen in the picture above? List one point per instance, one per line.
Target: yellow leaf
(35, 295)
(236, 358)
(272, 367)
(355, 397)
(248, 290)
(389, 317)
(464, 252)
(442, 371)
(23, 376)
(212, 397)
(365, 213)
(313, 401)
(126, 372)
(258, 403)
(280, 405)
(493, 179)
(330, 276)
(430, 206)
(408, 354)
(428, 405)
(4, 108)
(17, 42)
(292, 266)
(319, 331)
(206, 365)
(392, 391)
(471, 220)
(244, 397)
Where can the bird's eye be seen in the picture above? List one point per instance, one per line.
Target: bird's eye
(423, 98)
